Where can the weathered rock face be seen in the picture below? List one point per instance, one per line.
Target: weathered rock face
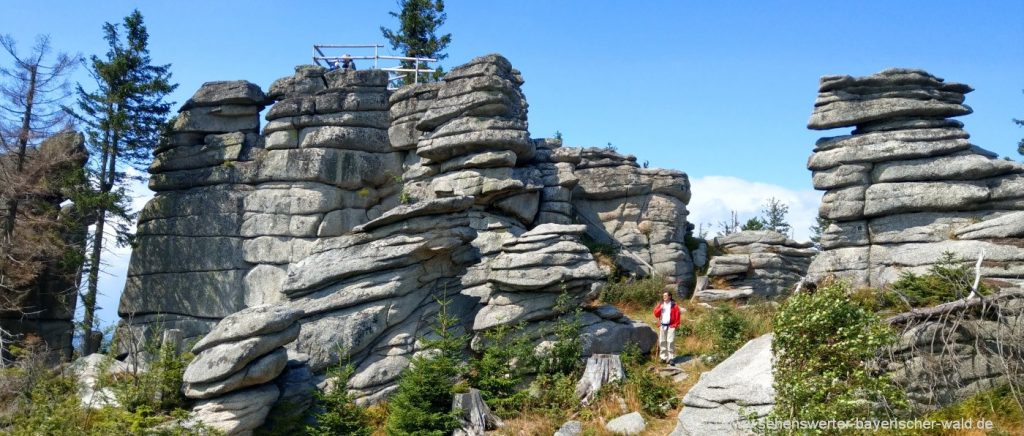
(725, 397)
(760, 263)
(907, 185)
(949, 355)
(189, 265)
(40, 300)
(360, 209)
(239, 359)
(642, 211)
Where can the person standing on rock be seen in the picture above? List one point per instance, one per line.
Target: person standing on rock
(668, 314)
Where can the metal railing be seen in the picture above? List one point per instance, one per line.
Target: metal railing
(395, 73)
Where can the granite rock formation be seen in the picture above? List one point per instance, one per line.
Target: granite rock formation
(907, 185)
(239, 359)
(761, 263)
(361, 209)
(641, 211)
(726, 397)
(953, 351)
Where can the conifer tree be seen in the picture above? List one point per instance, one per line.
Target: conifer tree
(416, 35)
(124, 117)
(774, 218)
(422, 403)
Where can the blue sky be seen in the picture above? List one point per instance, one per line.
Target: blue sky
(721, 90)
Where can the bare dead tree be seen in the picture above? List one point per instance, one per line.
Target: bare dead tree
(33, 87)
(31, 94)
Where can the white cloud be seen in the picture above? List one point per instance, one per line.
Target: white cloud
(714, 197)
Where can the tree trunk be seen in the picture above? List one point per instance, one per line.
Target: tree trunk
(23, 137)
(89, 345)
(601, 369)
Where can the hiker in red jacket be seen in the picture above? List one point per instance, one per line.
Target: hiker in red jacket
(667, 313)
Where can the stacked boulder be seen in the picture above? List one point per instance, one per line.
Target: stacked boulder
(362, 211)
(531, 273)
(188, 265)
(235, 365)
(642, 211)
(556, 165)
(374, 291)
(907, 185)
(328, 167)
(761, 263)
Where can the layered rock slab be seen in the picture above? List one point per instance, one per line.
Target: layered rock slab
(907, 185)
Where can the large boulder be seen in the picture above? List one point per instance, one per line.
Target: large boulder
(726, 398)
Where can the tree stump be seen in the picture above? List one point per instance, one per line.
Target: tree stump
(474, 414)
(601, 369)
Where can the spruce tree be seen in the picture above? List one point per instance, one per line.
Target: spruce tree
(753, 224)
(774, 218)
(422, 403)
(416, 35)
(1020, 144)
(124, 117)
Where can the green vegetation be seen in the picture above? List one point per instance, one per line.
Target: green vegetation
(948, 280)
(340, 415)
(726, 329)
(416, 35)
(38, 399)
(498, 371)
(422, 403)
(123, 120)
(828, 376)
(634, 293)
(998, 405)
(753, 224)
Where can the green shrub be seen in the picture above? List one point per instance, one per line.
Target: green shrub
(656, 394)
(633, 292)
(824, 344)
(497, 372)
(566, 352)
(340, 414)
(422, 403)
(49, 403)
(726, 329)
(553, 395)
(947, 280)
(158, 388)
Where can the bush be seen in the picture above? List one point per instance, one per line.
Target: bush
(340, 414)
(422, 403)
(642, 293)
(497, 371)
(726, 330)
(824, 345)
(158, 388)
(566, 351)
(947, 280)
(49, 401)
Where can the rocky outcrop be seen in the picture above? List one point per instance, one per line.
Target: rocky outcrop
(235, 365)
(363, 210)
(907, 185)
(37, 299)
(189, 265)
(640, 211)
(760, 263)
(725, 398)
(950, 352)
